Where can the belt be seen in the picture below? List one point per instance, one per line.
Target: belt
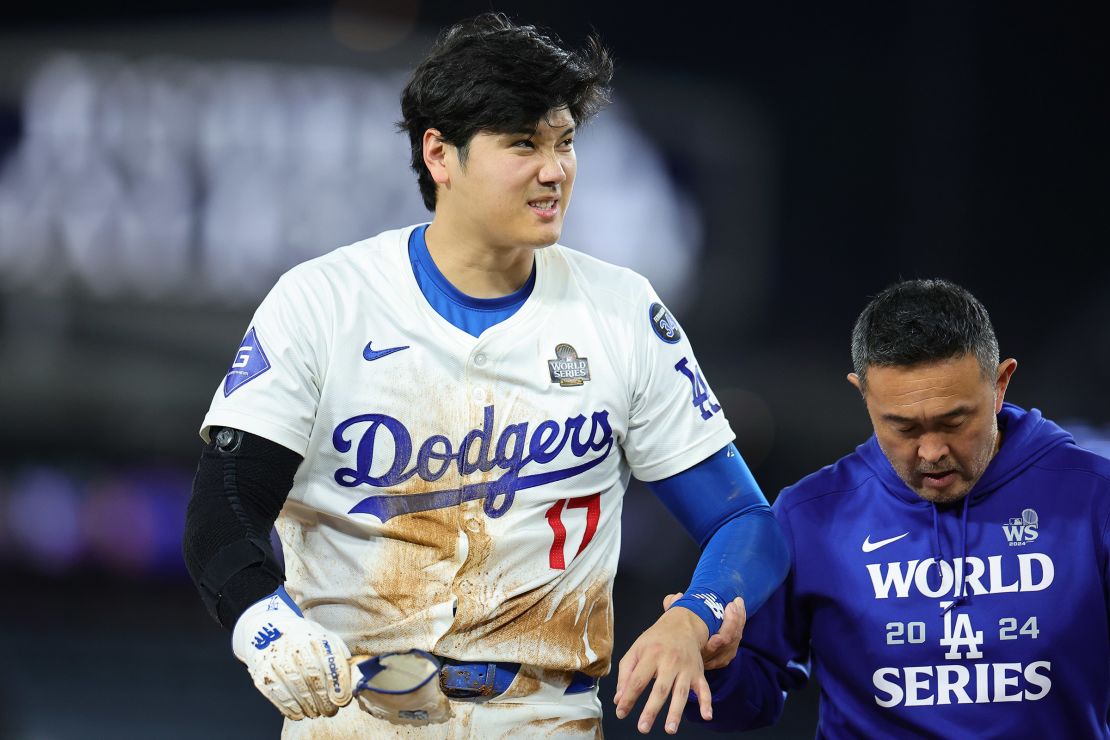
(462, 680)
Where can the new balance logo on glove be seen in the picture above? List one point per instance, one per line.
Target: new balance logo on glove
(265, 636)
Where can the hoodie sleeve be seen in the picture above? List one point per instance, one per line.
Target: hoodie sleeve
(1105, 561)
(774, 658)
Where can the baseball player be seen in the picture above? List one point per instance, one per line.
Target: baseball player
(442, 421)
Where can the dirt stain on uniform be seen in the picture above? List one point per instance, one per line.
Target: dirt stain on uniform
(526, 683)
(547, 626)
(521, 626)
(559, 728)
(352, 723)
(403, 582)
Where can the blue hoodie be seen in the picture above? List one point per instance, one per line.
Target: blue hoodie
(905, 642)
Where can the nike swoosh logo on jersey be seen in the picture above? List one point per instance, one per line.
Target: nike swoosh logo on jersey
(377, 354)
(869, 546)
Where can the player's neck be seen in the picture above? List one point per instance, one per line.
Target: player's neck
(475, 267)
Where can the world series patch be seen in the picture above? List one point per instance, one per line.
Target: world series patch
(568, 369)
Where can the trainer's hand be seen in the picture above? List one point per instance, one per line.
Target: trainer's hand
(299, 665)
(722, 647)
(669, 652)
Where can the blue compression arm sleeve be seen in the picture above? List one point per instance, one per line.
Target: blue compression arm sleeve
(743, 553)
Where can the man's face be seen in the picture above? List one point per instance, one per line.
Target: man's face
(513, 189)
(937, 422)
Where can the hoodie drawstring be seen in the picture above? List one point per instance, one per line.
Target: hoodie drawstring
(937, 555)
(962, 597)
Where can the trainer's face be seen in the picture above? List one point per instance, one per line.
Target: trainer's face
(513, 190)
(937, 423)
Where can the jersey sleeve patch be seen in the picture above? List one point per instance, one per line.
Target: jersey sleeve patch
(664, 325)
(250, 362)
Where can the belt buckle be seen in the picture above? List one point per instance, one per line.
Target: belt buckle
(468, 680)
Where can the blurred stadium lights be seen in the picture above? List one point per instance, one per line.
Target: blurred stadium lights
(373, 25)
(125, 521)
(43, 519)
(163, 178)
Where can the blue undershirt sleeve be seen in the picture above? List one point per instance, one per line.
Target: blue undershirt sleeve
(744, 552)
(774, 659)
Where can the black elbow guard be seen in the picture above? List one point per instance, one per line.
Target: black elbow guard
(241, 484)
(237, 576)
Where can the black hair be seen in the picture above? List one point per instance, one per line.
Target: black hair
(488, 74)
(919, 321)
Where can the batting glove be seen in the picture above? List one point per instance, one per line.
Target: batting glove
(299, 665)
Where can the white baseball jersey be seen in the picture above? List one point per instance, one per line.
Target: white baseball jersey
(463, 494)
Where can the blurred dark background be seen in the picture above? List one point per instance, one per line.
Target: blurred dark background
(769, 165)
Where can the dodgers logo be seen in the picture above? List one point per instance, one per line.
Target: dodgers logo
(664, 325)
(511, 452)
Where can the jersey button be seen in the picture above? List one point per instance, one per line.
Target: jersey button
(479, 359)
(472, 525)
(479, 394)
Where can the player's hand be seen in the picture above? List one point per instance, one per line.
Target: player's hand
(670, 653)
(299, 665)
(722, 647)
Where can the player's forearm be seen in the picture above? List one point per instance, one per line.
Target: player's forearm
(743, 550)
(746, 557)
(238, 492)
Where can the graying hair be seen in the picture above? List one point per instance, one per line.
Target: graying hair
(918, 321)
